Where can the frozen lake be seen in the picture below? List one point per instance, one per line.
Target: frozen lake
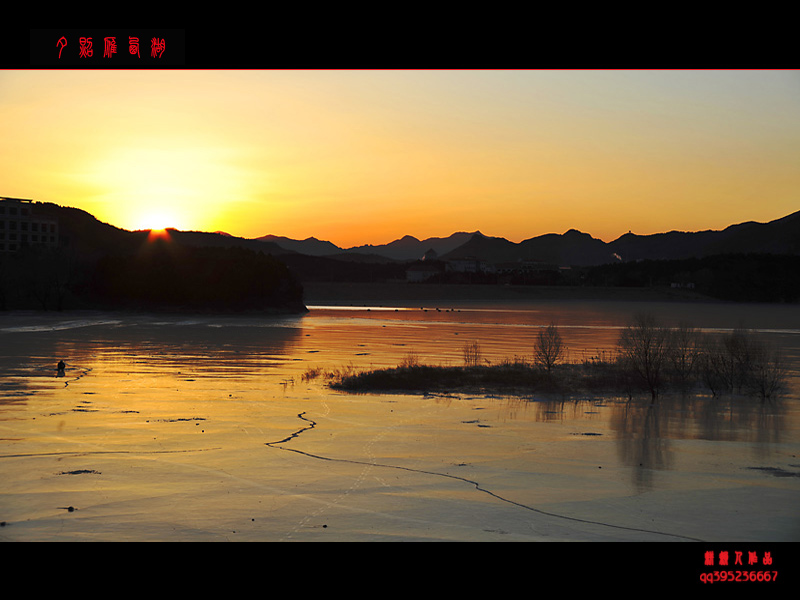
(201, 428)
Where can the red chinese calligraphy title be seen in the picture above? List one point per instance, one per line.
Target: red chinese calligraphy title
(85, 50)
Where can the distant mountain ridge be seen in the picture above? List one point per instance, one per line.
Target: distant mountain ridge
(406, 248)
(575, 248)
(572, 248)
(781, 236)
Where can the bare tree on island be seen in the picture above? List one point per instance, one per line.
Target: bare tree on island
(644, 348)
(685, 354)
(739, 362)
(549, 348)
(472, 354)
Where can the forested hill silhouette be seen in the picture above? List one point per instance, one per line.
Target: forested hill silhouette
(97, 265)
(85, 235)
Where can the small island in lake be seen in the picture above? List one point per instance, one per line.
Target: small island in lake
(650, 359)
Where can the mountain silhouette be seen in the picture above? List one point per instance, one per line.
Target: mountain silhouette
(570, 248)
(573, 247)
(89, 236)
(96, 264)
(406, 248)
(781, 236)
(310, 246)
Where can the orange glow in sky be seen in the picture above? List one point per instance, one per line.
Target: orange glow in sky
(365, 157)
(158, 234)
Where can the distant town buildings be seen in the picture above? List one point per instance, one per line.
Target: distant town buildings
(522, 271)
(20, 226)
(468, 264)
(422, 272)
(430, 255)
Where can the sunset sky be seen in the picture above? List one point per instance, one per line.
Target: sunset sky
(365, 157)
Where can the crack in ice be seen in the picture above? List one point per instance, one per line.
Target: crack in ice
(477, 485)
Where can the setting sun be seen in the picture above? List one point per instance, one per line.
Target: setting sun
(158, 234)
(157, 221)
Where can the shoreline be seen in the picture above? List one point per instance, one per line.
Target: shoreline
(404, 294)
(266, 312)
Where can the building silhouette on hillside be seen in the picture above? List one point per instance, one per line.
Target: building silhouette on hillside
(20, 226)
